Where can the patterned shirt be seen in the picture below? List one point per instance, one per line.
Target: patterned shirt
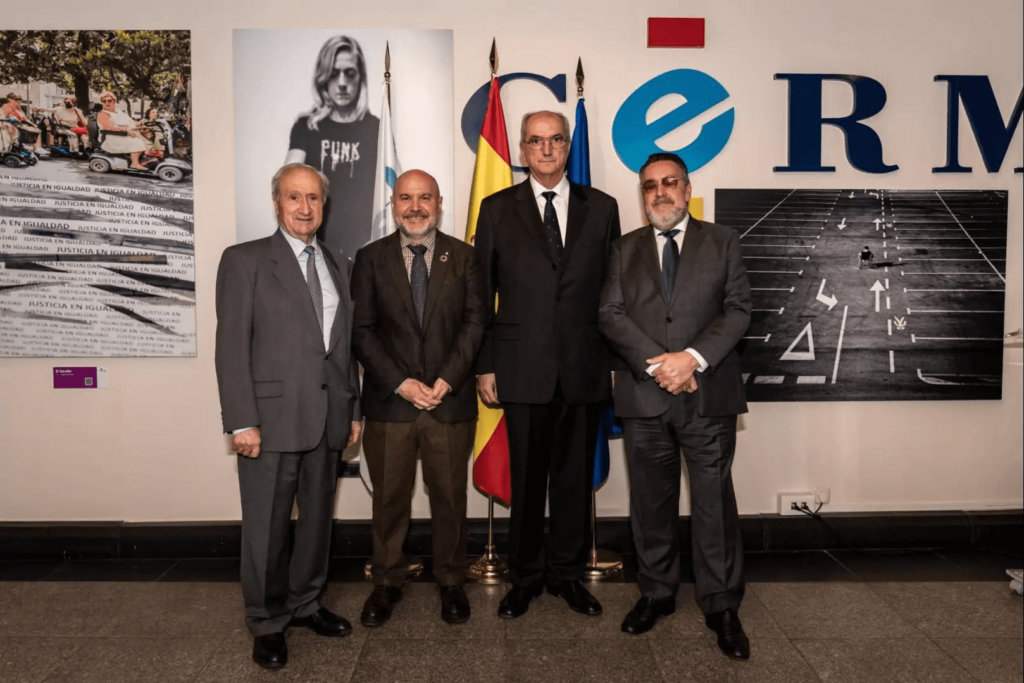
(407, 254)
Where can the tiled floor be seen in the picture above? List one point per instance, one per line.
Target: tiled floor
(842, 616)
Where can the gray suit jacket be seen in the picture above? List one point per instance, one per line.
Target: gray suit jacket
(709, 311)
(272, 369)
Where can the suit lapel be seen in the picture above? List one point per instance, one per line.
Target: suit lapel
(395, 261)
(648, 255)
(286, 270)
(688, 262)
(438, 271)
(526, 204)
(578, 210)
(339, 326)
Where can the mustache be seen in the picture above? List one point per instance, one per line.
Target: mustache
(416, 214)
(664, 200)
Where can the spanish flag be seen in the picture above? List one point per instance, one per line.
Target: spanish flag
(492, 172)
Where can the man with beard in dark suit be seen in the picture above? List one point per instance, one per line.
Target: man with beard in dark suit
(289, 394)
(543, 247)
(674, 306)
(419, 322)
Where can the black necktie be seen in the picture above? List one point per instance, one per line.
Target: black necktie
(551, 227)
(669, 262)
(418, 279)
(313, 282)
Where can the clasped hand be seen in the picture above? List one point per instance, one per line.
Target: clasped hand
(422, 396)
(675, 372)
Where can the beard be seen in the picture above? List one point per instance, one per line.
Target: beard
(410, 234)
(666, 221)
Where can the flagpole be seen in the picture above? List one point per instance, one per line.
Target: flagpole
(490, 569)
(604, 565)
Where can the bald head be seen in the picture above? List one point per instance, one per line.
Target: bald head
(416, 203)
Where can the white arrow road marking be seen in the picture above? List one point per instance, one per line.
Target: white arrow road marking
(842, 224)
(878, 223)
(877, 288)
(901, 323)
(829, 301)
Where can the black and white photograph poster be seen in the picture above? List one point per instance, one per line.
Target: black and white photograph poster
(317, 96)
(872, 295)
(96, 202)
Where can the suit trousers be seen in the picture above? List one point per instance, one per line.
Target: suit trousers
(652, 454)
(551, 452)
(278, 585)
(391, 450)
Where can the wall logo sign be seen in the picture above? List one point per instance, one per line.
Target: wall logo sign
(635, 138)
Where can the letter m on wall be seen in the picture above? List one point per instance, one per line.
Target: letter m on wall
(992, 136)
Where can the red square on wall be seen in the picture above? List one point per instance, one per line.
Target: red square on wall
(675, 32)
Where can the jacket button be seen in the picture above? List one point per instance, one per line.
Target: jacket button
(327, 357)
(554, 267)
(324, 387)
(668, 319)
(557, 298)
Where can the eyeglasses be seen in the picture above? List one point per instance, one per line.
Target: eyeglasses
(557, 142)
(107, 99)
(669, 182)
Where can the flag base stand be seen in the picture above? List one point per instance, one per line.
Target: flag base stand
(604, 565)
(490, 569)
(414, 569)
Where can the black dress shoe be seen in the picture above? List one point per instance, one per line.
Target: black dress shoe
(645, 614)
(377, 608)
(270, 651)
(324, 622)
(454, 605)
(517, 600)
(577, 597)
(731, 638)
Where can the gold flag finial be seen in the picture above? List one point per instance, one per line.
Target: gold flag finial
(494, 57)
(579, 77)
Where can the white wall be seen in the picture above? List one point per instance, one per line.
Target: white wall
(149, 448)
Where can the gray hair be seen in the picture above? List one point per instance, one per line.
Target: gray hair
(565, 125)
(275, 184)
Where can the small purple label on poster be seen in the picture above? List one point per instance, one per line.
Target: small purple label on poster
(76, 378)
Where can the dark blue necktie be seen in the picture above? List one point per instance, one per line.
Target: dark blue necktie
(418, 280)
(551, 227)
(669, 262)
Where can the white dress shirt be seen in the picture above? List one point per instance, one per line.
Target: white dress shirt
(330, 292)
(561, 201)
(659, 245)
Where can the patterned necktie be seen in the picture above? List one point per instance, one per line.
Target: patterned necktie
(418, 279)
(313, 282)
(551, 227)
(669, 262)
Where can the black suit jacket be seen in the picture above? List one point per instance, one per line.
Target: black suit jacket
(545, 329)
(272, 370)
(709, 311)
(387, 338)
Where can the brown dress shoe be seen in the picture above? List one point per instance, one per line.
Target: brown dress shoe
(454, 605)
(377, 608)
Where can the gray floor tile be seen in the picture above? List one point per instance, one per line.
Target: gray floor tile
(831, 610)
(570, 660)
(991, 660)
(311, 659)
(418, 615)
(59, 609)
(31, 660)
(693, 660)
(549, 617)
(880, 660)
(957, 609)
(177, 610)
(688, 620)
(422, 661)
(131, 660)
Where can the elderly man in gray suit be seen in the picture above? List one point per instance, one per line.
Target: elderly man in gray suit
(674, 305)
(289, 394)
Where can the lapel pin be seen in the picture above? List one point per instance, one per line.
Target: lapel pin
(444, 257)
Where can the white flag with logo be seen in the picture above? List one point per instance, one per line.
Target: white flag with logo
(388, 170)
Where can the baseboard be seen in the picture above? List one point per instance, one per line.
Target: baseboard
(943, 530)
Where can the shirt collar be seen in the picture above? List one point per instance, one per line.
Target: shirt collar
(298, 245)
(561, 189)
(680, 226)
(428, 241)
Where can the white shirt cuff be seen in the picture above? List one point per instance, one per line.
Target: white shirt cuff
(699, 358)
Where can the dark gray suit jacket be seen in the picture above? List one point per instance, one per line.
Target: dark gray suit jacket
(272, 369)
(389, 342)
(709, 311)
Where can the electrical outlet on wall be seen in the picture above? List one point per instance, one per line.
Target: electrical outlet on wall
(801, 501)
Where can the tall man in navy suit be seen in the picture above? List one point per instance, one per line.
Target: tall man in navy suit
(674, 306)
(543, 247)
(289, 395)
